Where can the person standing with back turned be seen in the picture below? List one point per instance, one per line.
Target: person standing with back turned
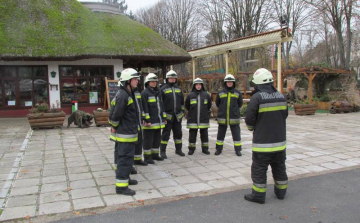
(266, 116)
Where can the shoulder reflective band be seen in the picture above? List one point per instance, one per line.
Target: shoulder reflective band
(222, 95)
(205, 101)
(269, 147)
(177, 90)
(273, 107)
(138, 95)
(167, 90)
(130, 101)
(235, 95)
(152, 99)
(193, 101)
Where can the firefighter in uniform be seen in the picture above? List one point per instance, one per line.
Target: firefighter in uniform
(173, 100)
(198, 104)
(229, 101)
(124, 118)
(155, 119)
(266, 116)
(139, 146)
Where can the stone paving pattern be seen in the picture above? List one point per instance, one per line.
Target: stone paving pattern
(71, 169)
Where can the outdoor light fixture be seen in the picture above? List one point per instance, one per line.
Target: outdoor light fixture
(283, 20)
(53, 73)
(118, 74)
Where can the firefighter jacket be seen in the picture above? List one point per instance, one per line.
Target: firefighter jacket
(229, 101)
(198, 103)
(126, 116)
(266, 115)
(173, 100)
(153, 108)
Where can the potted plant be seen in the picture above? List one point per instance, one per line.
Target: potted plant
(303, 107)
(44, 116)
(101, 117)
(324, 102)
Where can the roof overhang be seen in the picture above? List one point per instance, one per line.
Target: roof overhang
(254, 41)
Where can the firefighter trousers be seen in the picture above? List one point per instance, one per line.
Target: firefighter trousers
(204, 136)
(260, 163)
(175, 126)
(235, 131)
(138, 147)
(152, 138)
(125, 160)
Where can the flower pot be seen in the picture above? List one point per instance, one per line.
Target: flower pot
(323, 105)
(305, 109)
(46, 120)
(101, 118)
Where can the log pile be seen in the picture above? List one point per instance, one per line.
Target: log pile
(46, 120)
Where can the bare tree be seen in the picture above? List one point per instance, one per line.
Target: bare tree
(339, 13)
(296, 18)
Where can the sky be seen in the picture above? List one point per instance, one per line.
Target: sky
(133, 5)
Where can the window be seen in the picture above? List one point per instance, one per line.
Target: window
(84, 84)
(23, 86)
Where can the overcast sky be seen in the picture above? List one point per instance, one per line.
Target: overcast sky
(133, 5)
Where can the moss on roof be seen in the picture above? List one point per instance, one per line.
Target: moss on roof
(67, 29)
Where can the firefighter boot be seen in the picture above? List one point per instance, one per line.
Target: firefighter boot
(238, 150)
(218, 149)
(191, 151)
(280, 193)
(133, 171)
(125, 191)
(205, 150)
(163, 151)
(252, 198)
(133, 182)
(148, 159)
(155, 156)
(179, 152)
(140, 163)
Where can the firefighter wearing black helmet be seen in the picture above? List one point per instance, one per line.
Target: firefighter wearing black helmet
(229, 100)
(266, 116)
(155, 119)
(125, 119)
(173, 100)
(198, 103)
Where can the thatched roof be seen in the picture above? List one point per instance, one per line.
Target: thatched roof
(67, 30)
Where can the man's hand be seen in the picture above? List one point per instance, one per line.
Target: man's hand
(165, 122)
(112, 130)
(147, 124)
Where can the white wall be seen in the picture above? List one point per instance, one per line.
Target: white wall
(54, 94)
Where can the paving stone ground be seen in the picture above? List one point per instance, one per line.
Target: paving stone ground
(71, 169)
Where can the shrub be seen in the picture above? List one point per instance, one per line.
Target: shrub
(243, 110)
(325, 98)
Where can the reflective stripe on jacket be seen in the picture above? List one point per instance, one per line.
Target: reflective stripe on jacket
(125, 116)
(173, 100)
(198, 105)
(229, 103)
(266, 115)
(153, 108)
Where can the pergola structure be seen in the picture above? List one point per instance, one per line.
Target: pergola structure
(310, 73)
(259, 40)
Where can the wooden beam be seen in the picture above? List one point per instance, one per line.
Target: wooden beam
(226, 63)
(193, 63)
(279, 68)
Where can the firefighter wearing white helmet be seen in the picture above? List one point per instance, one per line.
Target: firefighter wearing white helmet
(173, 99)
(229, 101)
(198, 104)
(155, 119)
(266, 116)
(125, 118)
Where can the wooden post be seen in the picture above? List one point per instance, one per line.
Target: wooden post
(282, 83)
(244, 84)
(279, 68)
(226, 63)
(163, 68)
(310, 77)
(193, 63)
